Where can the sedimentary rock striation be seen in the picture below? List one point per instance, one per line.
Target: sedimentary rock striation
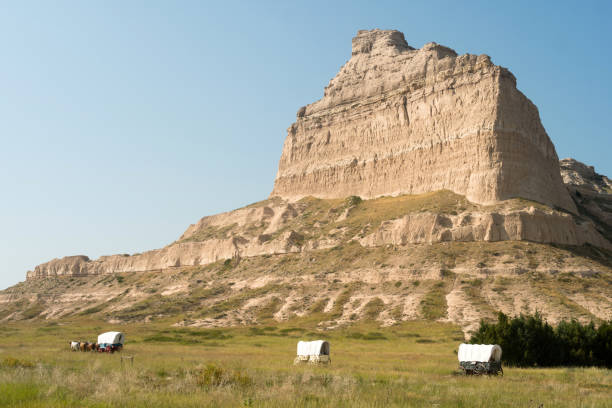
(398, 120)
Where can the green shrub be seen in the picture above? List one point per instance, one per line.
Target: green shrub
(367, 336)
(290, 330)
(433, 304)
(319, 305)
(353, 200)
(32, 311)
(11, 362)
(187, 336)
(373, 308)
(92, 310)
(160, 338)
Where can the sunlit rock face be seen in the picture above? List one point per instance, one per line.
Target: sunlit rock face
(398, 120)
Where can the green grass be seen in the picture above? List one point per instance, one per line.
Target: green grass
(34, 310)
(433, 305)
(373, 308)
(370, 213)
(408, 365)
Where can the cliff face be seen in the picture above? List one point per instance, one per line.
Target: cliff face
(396, 120)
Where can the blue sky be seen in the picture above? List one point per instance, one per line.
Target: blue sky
(121, 123)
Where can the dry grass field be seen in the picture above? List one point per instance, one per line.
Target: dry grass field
(409, 364)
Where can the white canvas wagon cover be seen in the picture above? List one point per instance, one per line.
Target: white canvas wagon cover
(313, 348)
(481, 353)
(111, 338)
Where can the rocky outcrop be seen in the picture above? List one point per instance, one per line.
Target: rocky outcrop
(172, 256)
(279, 227)
(523, 225)
(244, 232)
(592, 193)
(398, 120)
(77, 265)
(580, 176)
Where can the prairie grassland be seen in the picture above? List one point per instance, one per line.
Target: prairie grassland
(410, 364)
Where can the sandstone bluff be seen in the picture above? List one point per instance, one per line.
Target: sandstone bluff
(420, 178)
(396, 120)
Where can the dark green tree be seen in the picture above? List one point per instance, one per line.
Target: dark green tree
(529, 341)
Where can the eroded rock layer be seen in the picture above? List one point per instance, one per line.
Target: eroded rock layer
(277, 226)
(397, 120)
(459, 282)
(592, 193)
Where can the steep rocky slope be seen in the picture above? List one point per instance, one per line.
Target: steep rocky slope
(579, 176)
(592, 193)
(397, 120)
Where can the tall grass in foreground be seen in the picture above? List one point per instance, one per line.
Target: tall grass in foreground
(410, 365)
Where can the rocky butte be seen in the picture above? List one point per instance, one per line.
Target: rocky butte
(397, 120)
(421, 185)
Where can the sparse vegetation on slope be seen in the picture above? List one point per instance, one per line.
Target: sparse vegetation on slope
(459, 281)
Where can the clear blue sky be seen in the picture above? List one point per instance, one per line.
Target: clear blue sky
(121, 123)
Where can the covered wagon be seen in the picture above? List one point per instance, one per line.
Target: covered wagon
(111, 341)
(478, 359)
(313, 352)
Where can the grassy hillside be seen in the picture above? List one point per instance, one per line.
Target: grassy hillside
(457, 281)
